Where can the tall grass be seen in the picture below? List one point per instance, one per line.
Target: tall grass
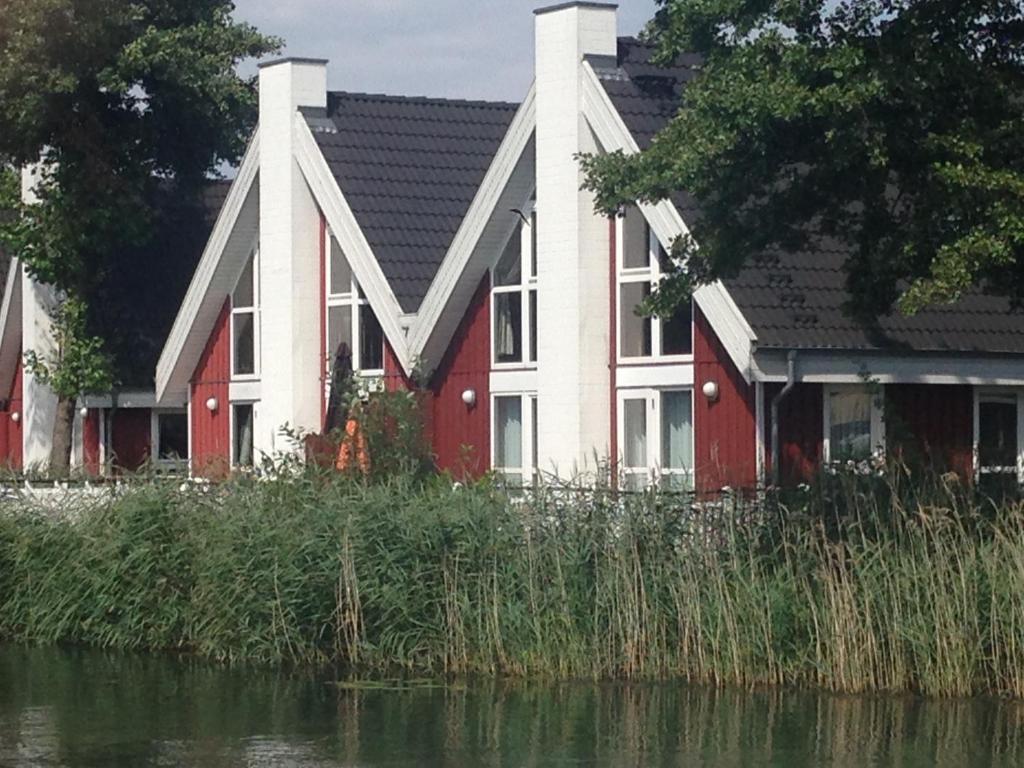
(852, 590)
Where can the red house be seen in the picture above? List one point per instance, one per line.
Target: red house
(451, 240)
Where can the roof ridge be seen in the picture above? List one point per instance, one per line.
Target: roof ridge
(437, 100)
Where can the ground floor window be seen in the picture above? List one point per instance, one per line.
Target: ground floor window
(170, 437)
(242, 434)
(999, 433)
(656, 439)
(853, 424)
(514, 453)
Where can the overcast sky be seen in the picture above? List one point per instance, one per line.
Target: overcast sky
(475, 49)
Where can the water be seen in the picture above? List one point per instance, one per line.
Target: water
(82, 708)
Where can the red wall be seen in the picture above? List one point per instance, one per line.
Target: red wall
(461, 435)
(211, 431)
(931, 426)
(11, 443)
(130, 437)
(91, 441)
(725, 430)
(800, 431)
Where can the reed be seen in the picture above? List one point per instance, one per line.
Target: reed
(854, 586)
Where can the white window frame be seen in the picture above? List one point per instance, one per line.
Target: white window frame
(231, 433)
(652, 275)
(527, 285)
(254, 310)
(354, 300)
(1004, 394)
(653, 473)
(154, 435)
(528, 408)
(877, 417)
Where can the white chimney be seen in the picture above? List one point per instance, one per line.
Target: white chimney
(573, 245)
(289, 276)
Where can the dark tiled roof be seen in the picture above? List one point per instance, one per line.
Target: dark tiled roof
(409, 168)
(795, 300)
(144, 288)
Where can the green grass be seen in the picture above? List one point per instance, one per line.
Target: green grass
(851, 588)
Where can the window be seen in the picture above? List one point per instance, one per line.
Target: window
(515, 439)
(242, 435)
(641, 267)
(514, 298)
(1000, 440)
(244, 303)
(853, 424)
(171, 437)
(354, 337)
(656, 439)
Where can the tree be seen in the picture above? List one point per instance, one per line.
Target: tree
(112, 101)
(893, 128)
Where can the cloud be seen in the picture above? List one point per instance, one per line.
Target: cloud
(481, 49)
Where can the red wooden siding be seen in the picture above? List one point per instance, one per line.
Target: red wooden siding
(91, 442)
(725, 430)
(11, 443)
(130, 437)
(800, 431)
(461, 435)
(931, 426)
(395, 379)
(211, 430)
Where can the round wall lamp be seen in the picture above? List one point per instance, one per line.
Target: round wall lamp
(469, 397)
(211, 404)
(710, 390)
(15, 417)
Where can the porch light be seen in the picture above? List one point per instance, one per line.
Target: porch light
(15, 417)
(211, 404)
(84, 412)
(710, 390)
(469, 397)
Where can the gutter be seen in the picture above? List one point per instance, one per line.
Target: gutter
(776, 401)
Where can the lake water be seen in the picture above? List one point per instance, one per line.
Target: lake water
(83, 708)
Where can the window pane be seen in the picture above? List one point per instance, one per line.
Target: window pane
(341, 273)
(677, 332)
(997, 433)
(533, 244)
(172, 429)
(508, 433)
(533, 326)
(371, 340)
(850, 426)
(508, 327)
(509, 269)
(243, 324)
(634, 439)
(676, 431)
(636, 331)
(244, 295)
(636, 252)
(339, 333)
(243, 434)
(533, 417)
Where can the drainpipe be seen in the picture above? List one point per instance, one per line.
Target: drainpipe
(790, 383)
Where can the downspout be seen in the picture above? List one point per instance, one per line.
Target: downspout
(790, 383)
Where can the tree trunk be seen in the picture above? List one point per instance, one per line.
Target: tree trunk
(63, 429)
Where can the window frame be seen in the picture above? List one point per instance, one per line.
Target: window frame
(877, 419)
(652, 275)
(254, 311)
(181, 464)
(1002, 395)
(232, 435)
(526, 287)
(530, 471)
(353, 299)
(652, 474)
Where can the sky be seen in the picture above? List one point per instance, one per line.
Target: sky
(465, 49)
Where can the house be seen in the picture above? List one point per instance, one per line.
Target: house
(449, 243)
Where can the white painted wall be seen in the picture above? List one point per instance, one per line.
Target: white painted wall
(573, 377)
(289, 258)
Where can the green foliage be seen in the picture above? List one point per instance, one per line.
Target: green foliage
(890, 128)
(79, 364)
(429, 578)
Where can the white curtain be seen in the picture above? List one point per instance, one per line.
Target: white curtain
(635, 437)
(676, 431)
(509, 440)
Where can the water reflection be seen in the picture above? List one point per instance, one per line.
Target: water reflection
(75, 708)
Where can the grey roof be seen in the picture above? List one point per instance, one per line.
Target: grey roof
(409, 167)
(795, 300)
